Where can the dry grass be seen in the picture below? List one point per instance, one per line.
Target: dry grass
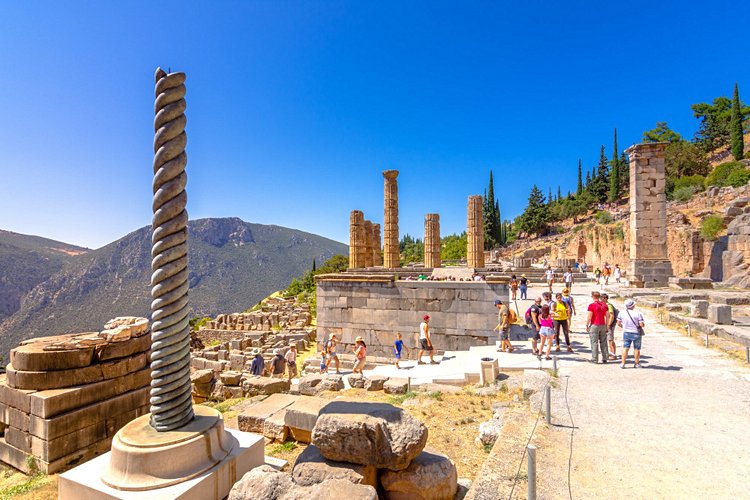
(17, 485)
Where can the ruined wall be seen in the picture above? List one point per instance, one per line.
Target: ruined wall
(462, 313)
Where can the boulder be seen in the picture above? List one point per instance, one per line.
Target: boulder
(251, 418)
(332, 383)
(302, 415)
(396, 386)
(431, 476)
(309, 385)
(312, 468)
(489, 431)
(254, 385)
(376, 434)
(231, 378)
(375, 382)
(356, 380)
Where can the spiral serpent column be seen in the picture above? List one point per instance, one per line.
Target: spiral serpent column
(171, 402)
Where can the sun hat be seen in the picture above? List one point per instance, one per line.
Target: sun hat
(331, 335)
(498, 302)
(566, 291)
(277, 351)
(358, 339)
(523, 275)
(293, 344)
(629, 304)
(255, 351)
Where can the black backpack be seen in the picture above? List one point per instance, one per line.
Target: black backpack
(615, 314)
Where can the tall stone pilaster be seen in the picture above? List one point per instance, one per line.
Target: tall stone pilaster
(377, 246)
(368, 244)
(649, 261)
(391, 256)
(357, 240)
(475, 233)
(432, 240)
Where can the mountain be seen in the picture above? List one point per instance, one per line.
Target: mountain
(233, 264)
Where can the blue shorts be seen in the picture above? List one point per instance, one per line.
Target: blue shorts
(397, 354)
(631, 338)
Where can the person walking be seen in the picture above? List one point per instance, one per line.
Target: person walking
(278, 364)
(532, 320)
(546, 331)
(606, 272)
(596, 327)
(291, 361)
(617, 273)
(425, 343)
(258, 365)
(360, 355)
(398, 346)
(560, 317)
(513, 287)
(523, 286)
(611, 322)
(331, 352)
(503, 326)
(550, 276)
(632, 324)
(568, 279)
(567, 298)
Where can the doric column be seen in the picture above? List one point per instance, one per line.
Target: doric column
(357, 239)
(475, 233)
(377, 247)
(367, 254)
(649, 262)
(391, 256)
(432, 240)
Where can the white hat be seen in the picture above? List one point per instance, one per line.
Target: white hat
(630, 303)
(277, 351)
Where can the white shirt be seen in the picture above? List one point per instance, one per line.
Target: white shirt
(423, 330)
(630, 325)
(550, 274)
(568, 277)
(617, 272)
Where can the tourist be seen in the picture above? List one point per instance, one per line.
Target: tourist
(546, 331)
(323, 362)
(513, 287)
(597, 275)
(532, 320)
(258, 365)
(568, 279)
(606, 272)
(560, 317)
(278, 364)
(331, 352)
(596, 327)
(567, 299)
(632, 324)
(503, 326)
(550, 276)
(425, 343)
(583, 267)
(360, 355)
(398, 345)
(611, 322)
(523, 286)
(291, 360)
(617, 273)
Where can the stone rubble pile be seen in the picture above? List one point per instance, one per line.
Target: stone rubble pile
(276, 312)
(63, 398)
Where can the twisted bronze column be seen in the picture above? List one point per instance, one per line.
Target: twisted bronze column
(171, 401)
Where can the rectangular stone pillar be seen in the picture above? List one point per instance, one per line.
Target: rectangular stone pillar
(391, 254)
(475, 233)
(357, 240)
(649, 262)
(377, 246)
(432, 240)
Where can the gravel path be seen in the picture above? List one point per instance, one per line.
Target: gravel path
(677, 428)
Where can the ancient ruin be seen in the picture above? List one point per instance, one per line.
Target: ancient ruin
(475, 233)
(391, 253)
(357, 240)
(649, 263)
(369, 244)
(432, 240)
(377, 248)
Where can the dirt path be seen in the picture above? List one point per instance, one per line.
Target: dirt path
(677, 428)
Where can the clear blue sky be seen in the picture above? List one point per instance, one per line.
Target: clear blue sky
(295, 108)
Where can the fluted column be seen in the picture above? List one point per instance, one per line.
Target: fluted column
(475, 233)
(391, 256)
(171, 401)
(432, 240)
(377, 247)
(357, 239)
(368, 244)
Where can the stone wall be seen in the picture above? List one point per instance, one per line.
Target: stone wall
(462, 313)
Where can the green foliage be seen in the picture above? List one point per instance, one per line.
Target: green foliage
(684, 193)
(535, 218)
(715, 121)
(411, 249)
(284, 448)
(711, 227)
(453, 247)
(735, 127)
(197, 322)
(491, 218)
(690, 181)
(615, 183)
(579, 186)
(226, 405)
(572, 207)
(720, 175)
(619, 233)
(738, 178)
(36, 480)
(304, 288)
(603, 217)
(685, 158)
(399, 399)
(599, 185)
(661, 133)
(437, 395)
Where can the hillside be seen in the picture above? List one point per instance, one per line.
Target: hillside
(233, 265)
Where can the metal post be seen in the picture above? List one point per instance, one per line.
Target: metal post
(747, 354)
(554, 363)
(689, 330)
(408, 384)
(531, 452)
(706, 340)
(548, 403)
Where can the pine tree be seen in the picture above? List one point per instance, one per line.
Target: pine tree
(588, 179)
(549, 197)
(491, 214)
(735, 127)
(559, 196)
(624, 172)
(498, 224)
(600, 180)
(536, 216)
(314, 268)
(579, 189)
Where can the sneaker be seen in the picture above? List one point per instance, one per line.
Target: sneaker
(420, 362)
(557, 349)
(622, 365)
(570, 349)
(434, 362)
(604, 361)
(637, 365)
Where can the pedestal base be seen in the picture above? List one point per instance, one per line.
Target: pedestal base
(650, 273)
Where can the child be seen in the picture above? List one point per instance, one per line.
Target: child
(360, 353)
(398, 345)
(323, 360)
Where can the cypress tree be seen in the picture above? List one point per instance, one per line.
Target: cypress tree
(588, 179)
(559, 196)
(614, 181)
(314, 267)
(549, 197)
(579, 189)
(735, 127)
(624, 172)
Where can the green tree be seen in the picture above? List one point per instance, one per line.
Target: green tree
(535, 218)
(713, 131)
(411, 249)
(624, 172)
(661, 133)
(579, 188)
(453, 247)
(685, 158)
(588, 179)
(599, 187)
(735, 127)
(614, 174)
(491, 217)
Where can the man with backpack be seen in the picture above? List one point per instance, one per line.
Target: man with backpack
(505, 317)
(612, 313)
(597, 328)
(532, 320)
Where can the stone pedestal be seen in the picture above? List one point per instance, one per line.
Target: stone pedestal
(475, 233)
(432, 240)
(649, 262)
(489, 371)
(391, 254)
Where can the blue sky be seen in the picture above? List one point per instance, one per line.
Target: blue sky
(295, 108)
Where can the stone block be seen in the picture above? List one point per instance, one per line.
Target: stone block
(302, 415)
(699, 308)
(33, 357)
(395, 386)
(231, 378)
(275, 428)
(251, 419)
(720, 314)
(254, 386)
(375, 382)
(313, 468)
(431, 475)
(18, 439)
(17, 398)
(130, 347)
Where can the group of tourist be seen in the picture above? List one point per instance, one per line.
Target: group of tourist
(601, 275)
(281, 363)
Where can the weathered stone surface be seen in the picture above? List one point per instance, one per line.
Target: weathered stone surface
(275, 428)
(720, 314)
(431, 476)
(130, 347)
(302, 415)
(374, 434)
(375, 382)
(332, 383)
(699, 308)
(33, 357)
(356, 380)
(309, 385)
(395, 386)
(231, 378)
(202, 376)
(251, 418)
(123, 366)
(312, 468)
(63, 378)
(534, 381)
(489, 432)
(254, 386)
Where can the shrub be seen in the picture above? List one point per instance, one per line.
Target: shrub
(698, 181)
(685, 193)
(738, 178)
(619, 233)
(720, 175)
(603, 217)
(711, 227)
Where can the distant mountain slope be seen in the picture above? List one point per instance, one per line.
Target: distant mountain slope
(233, 264)
(26, 261)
